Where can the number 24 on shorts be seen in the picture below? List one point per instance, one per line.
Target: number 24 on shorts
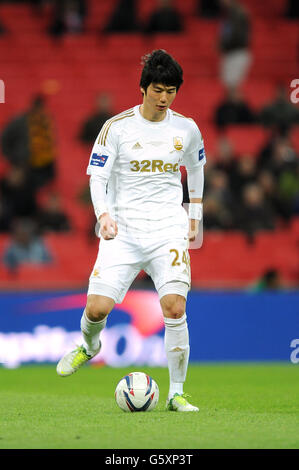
(185, 257)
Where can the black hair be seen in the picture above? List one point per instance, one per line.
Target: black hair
(160, 67)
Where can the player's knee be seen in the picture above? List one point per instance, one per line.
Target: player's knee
(98, 307)
(173, 306)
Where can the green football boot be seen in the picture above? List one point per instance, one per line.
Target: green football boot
(179, 403)
(73, 360)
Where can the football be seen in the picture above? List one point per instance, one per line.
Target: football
(137, 392)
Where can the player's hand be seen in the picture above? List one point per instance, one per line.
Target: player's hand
(193, 229)
(108, 227)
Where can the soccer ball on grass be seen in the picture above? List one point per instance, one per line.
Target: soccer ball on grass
(137, 392)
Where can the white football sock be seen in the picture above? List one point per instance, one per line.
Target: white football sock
(177, 349)
(91, 333)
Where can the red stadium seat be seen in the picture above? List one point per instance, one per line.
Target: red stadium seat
(75, 69)
(246, 139)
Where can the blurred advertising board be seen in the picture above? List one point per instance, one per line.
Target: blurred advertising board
(223, 326)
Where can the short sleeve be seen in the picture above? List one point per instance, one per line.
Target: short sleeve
(194, 155)
(104, 152)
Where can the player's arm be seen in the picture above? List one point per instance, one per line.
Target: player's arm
(194, 161)
(108, 226)
(195, 181)
(99, 168)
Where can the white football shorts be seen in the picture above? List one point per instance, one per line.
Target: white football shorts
(121, 259)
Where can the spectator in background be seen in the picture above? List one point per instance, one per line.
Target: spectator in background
(233, 110)
(265, 154)
(68, 17)
(208, 8)
(282, 163)
(234, 43)
(270, 188)
(123, 18)
(18, 194)
(224, 157)
(164, 19)
(3, 30)
(5, 216)
(216, 215)
(280, 112)
(28, 141)
(51, 217)
(218, 186)
(218, 197)
(93, 124)
(254, 213)
(245, 172)
(283, 158)
(37, 6)
(270, 280)
(288, 187)
(292, 9)
(25, 246)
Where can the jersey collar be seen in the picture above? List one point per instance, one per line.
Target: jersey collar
(145, 122)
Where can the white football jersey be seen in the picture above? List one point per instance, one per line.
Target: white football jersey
(141, 161)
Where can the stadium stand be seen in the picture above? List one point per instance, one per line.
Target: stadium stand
(72, 70)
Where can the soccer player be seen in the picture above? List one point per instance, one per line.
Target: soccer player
(136, 190)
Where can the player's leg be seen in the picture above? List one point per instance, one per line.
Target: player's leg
(93, 321)
(169, 267)
(176, 342)
(114, 271)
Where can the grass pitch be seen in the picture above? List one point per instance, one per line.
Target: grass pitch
(241, 406)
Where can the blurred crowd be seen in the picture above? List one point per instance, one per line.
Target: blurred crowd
(252, 192)
(247, 193)
(69, 17)
(29, 147)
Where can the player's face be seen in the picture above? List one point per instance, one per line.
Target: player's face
(157, 99)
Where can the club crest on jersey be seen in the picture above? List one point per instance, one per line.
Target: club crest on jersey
(98, 160)
(178, 143)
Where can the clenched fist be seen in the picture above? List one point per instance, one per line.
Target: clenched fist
(108, 227)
